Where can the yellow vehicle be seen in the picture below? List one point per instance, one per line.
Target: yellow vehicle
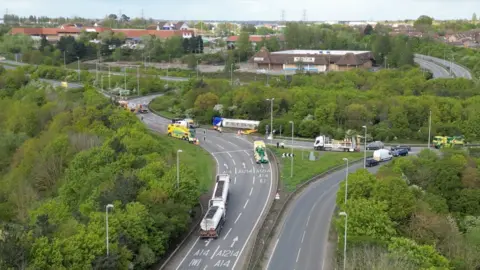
(259, 152)
(181, 132)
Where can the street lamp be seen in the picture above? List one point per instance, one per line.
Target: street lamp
(346, 181)
(365, 148)
(291, 161)
(106, 224)
(271, 118)
(231, 73)
(429, 128)
(344, 240)
(125, 77)
(138, 80)
(178, 167)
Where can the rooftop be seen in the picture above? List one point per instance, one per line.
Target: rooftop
(319, 52)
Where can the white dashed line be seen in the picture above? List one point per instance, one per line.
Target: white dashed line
(233, 160)
(228, 153)
(227, 234)
(205, 267)
(298, 254)
(251, 190)
(308, 219)
(211, 258)
(246, 153)
(238, 218)
(303, 236)
(235, 181)
(245, 204)
(254, 180)
(221, 147)
(251, 160)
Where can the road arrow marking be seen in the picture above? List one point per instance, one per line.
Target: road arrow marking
(234, 240)
(208, 242)
(225, 165)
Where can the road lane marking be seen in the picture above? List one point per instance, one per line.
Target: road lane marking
(254, 180)
(308, 219)
(261, 165)
(251, 190)
(235, 170)
(235, 180)
(237, 218)
(298, 254)
(211, 258)
(190, 250)
(274, 247)
(224, 164)
(205, 267)
(246, 152)
(234, 164)
(245, 204)
(251, 160)
(230, 155)
(227, 234)
(232, 143)
(258, 219)
(303, 236)
(223, 152)
(221, 147)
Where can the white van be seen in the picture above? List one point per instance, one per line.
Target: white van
(382, 155)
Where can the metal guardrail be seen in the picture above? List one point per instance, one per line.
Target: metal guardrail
(253, 264)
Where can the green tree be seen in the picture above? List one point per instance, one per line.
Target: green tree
(361, 185)
(423, 257)
(397, 195)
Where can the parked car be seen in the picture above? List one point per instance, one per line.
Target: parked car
(370, 162)
(400, 152)
(393, 148)
(375, 145)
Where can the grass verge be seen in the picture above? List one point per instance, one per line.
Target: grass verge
(304, 169)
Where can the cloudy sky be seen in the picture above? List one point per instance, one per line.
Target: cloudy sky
(249, 9)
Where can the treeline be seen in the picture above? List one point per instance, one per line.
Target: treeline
(394, 104)
(418, 212)
(65, 155)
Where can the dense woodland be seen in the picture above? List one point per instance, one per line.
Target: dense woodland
(394, 104)
(64, 155)
(422, 212)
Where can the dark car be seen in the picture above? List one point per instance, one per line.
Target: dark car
(375, 145)
(393, 148)
(400, 152)
(370, 162)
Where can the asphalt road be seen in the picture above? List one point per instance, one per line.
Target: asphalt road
(250, 190)
(437, 70)
(303, 239)
(459, 71)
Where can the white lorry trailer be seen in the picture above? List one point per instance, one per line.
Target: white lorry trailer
(212, 223)
(325, 143)
(382, 155)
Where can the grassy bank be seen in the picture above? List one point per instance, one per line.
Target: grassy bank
(304, 169)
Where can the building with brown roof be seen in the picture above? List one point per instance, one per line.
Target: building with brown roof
(312, 60)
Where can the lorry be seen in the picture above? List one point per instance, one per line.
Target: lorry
(382, 155)
(212, 224)
(133, 107)
(187, 122)
(219, 122)
(260, 152)
(448, 141)
(325, 143)
(181, 132)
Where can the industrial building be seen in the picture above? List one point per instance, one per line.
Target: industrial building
(314, 61)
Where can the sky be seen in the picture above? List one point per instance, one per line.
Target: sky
(316, 10)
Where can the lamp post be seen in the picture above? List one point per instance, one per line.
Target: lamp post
(346, 180)
(78, 67)
(106, 224)
(178, 167)
(138, 80)
(365, 148)
(64, 59)
(291, 161)
(271, 118)
(231, 73)
(125, 78)
(109, 80)
(344, 240)
(96, 72)
(429, 128)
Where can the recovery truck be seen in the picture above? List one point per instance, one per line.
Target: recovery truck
(212, 223)
(325, 143)
(260, 152)
(182, 132)
(132, 107)
(448, 141)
